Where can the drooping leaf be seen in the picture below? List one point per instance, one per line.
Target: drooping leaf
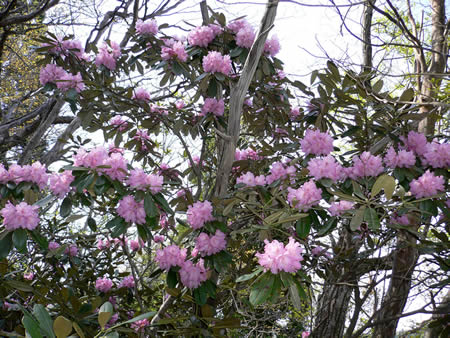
(385, 182)
(44, 319)
(62, 327)
(357, 219)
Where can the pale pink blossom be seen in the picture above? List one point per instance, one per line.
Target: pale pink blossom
(108, 55)
(119, 123)
(180, 104)
(60, 183)
(246, 154)
(140, 325)
(51, 73)
(155, 183)
(295, 112)
(427, 185)
(338, 208)
(173, 50)
(118, 165)
(326, 167)
(316, 143)
(131, 211)
(140, 94)
(237, 25)
(277, 257)
(147, 27)
(135, 245)
(402, 220)
(304, 197)
(216, 62)
(415, 142)
(245, 37)
(199, 213)
(92, 159)
(404, 159)
(103, 244)
(272, 46)
(193, 275)
(366, 165)
(137, 179)
(437, 155)
(22, 215)
(70, 81)
(38, 174)
(251, 180)
(71, 250)
(305, 334)
(280, 171)
(4, 175)
(158, 239)
(103, 284)
(210, 245)
(170, 256)
(127, 282)
(317, 251)
(28, 276)
(214, 106)
(53, 246)
(202, 36)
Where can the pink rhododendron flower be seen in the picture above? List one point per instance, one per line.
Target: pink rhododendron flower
(155, 183)
(326, 167)
(118, 169)
(69, 81)
(51, 73)
(38, 174)
(305, 334)
(280, 171)
(147, 27)
(402, 220)
(173, 50)
(237, 25)
(131, 211)
(210, 245)
(180, 104)
(366, 165)
(103, 284)
(103, 244)
(114, 318)
(127, 282)
(193, 275)
(216, 62)
(217, 107)
(60, 183)
(140, 325)
(140, 94)
(137, 179)
(415, 142)
(272, 46)
(245, 37)
(53, 246)
(119, 123)
(404, 159)
(295, 112)
(108, 55)
(18, 173)
(75, 47)
(28, 276)
(4, 174)
(22, 215)
(135, 245)
(71, 250)
(250, 180)
(304, 197)
(437, 155)
(246, 154)
(92, 159)
(317, 143)
(170, 256)
(158, 239)
(202, 36)
(317, 250)
(427, 185)
(277, 257)
(337, 208)
(199, 213)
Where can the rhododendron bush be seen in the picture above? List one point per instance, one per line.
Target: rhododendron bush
(133, 237)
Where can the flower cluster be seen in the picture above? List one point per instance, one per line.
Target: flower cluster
(140, 94)
(147, 27)
(199, 213)
(53, 246)
(127, 282)
(326, 167)
(337, 208)
(71, 250)
(304, 197)
(141, 181)
(103, 284)
(60, 183)
(210, 245)
(119, 123)
(246, 154)
(131, 211)
(52, 73)
(217, 107)
(251, 180)
(64, 47)
(365, 165)
(427, 185)
(272, 46)
(245, 34)
(193, 275)
(118, 165)
(437, 155)
(202, 36)
(22, 215)
(170, 256)
(402, 159)
(173, 50)
(216, 62)
(277, 257)
(316, 143)
(108, 55)
(280, 171)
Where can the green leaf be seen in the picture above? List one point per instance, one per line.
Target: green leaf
(212, 88)
(200, 295)
(149, 206)
(6, 245)
(248, 276)
(385, 182)
(44, 319)
(407, 95)
(371, 217)
(262, 289)
(172, 279)
(357, 218)
(159, 198)
(66, 207)
(303, 226)
(19, 238)
(62, 327)
(104, 314)
(31, 326)
(91, 224)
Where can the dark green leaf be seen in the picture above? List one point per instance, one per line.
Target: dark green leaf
(159, 198)
(371, 217)
(149, 206)
(172, 279)
(303, 227)
(44, 319)
(66, 207)
(262, 289)
(19, 238)
(357, 219)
